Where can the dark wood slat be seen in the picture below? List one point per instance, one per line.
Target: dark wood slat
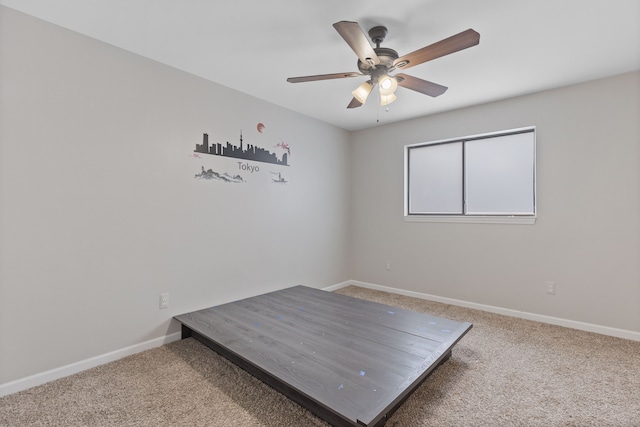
(419, 324)
(354, 103)
(354, 323)
(293, 363)
(295, 344)
(357, 40)
(317, 77)
(420, 85)
(316, 332)
(350, 361)
(455, 43)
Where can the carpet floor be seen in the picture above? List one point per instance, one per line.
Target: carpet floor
(504, 372)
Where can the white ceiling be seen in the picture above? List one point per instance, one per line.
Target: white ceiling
(254, 45)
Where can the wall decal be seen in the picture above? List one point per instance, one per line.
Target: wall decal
(285, 147)
(210, 174)
(260, 127)
(251, 152)
(280, 179)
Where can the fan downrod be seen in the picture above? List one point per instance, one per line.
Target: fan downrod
(377, 34)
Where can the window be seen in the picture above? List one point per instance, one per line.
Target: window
(483, 178)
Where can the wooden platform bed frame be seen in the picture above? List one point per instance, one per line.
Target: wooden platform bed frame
(349, 361)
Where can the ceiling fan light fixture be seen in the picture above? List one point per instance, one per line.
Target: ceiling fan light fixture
(376, 62)
(387, 99)
(388, 85)
(363, 91)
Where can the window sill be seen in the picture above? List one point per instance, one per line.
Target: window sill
(472, 219)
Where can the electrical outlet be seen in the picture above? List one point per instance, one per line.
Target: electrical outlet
(388, 265)
(164, 300)
(551, 288)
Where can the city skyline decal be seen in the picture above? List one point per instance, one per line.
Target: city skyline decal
(250, 152)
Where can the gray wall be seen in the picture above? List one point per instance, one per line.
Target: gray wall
(100, 211)
(586, 237)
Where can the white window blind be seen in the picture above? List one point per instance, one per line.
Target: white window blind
(437, 173)
(483, 175)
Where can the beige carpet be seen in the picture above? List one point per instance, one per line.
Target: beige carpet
(504, 372)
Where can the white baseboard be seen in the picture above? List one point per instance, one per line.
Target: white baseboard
(588, 327)
(73, 368)
(339, 286)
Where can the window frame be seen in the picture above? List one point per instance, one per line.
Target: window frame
(464, 217)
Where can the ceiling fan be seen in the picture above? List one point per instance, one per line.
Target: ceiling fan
(378, 62)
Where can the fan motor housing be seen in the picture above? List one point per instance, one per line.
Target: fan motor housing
(386, 55)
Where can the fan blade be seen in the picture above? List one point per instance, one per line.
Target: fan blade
(354, 103)
(357, 40)
(444, 47)
(419, 85)
(322, 77)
